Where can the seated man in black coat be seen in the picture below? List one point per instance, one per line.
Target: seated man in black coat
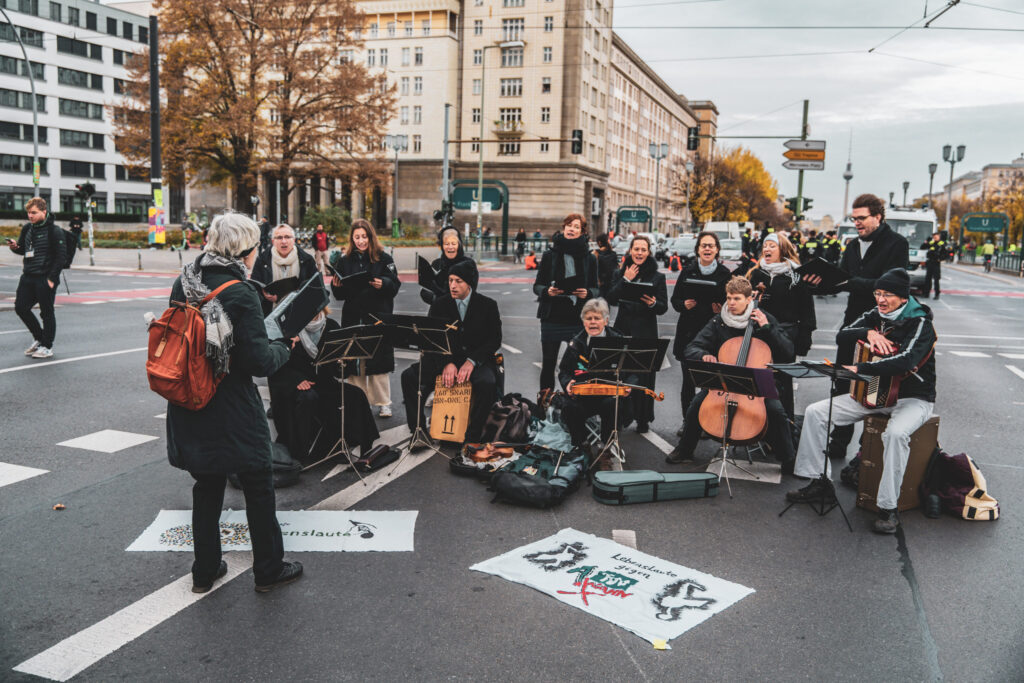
(472, 359)
(732, 322)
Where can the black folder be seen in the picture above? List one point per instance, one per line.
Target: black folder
(703, 291)
(632, 291)
(355, 281)
(278, 288)
(831, 276)
(297, 309)
(426, 273)
(570, 284)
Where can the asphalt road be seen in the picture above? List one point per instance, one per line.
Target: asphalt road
(942, 602)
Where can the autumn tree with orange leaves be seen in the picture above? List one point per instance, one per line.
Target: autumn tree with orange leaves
(733, 186)
(251, 86)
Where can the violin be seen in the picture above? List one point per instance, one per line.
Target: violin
(596, 387)
(738, 418)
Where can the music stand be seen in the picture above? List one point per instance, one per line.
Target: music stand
(426, 335)
(359, 342)
(615, 356)
(835, 373)
(735, 379)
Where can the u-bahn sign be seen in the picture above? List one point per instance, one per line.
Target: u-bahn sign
(986, 222)
(634, 214)
(464, 198)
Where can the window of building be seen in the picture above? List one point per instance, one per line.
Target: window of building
(512, 29)
(16, 67)
(425, 24)
(406, 56)
(20, 131)
(403, 88)
(90, 21)
(408, 28)
(118, 57)
(508, 149)
(417, 56)
(79, 79)
(391, 29)
(511, 87)
(119, 86)
(547, 55)
(513, 3)
(79, 48)
(476, 114)
(403, 116)
(371, 58)
(510, 117)
(55, 11)
(83, 110)
(21, 100)
(77, 138)
(417, 85)
(417, 144)
(111, 26)
(346, 56)
(15, 163)
(478, 27)
(28, 7)
(478, 57)
(593, 97)
(126, 30)
(81, 169)
(544, 147)
(374, 30)
(131, 204)
(511, 56)
(475, 147)
(476, 86)
(549, 24)
(74, 16)
(545, 84)
(417, 115)
(545, 114)
(383, 56)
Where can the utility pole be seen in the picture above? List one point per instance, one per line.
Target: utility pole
(800, 176)
(658, 152)
(444, 160)
(35, 112)
(155, 172)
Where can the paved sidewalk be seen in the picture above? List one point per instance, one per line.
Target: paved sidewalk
(979, 270)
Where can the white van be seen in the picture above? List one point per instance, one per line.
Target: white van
(728, 230)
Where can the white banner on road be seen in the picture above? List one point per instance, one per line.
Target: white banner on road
(655, 599)
(303, 531)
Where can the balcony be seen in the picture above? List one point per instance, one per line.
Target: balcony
(508, 130)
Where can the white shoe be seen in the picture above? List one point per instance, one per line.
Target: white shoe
(43, 352)
(32, 349)
(385, 411)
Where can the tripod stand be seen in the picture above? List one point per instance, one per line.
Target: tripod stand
(826, 500)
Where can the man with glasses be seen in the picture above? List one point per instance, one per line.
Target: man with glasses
(877, 250)
(899, 329)
(284, 259)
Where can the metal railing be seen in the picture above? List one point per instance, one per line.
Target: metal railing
(1004, 262)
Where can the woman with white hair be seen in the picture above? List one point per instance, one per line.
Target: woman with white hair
(230, 435)
(574, 363)
(451, 253)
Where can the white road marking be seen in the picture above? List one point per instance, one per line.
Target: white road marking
(407, 355)
(108, 441)
(35, 366)
(11, 474)
(762, 472)
(505, 293)
(14, 332)
(90, 303)
(539, 365)
(76, 653)
(659, 443)
(510, 349)
(943, 302)
(665, 363)
(625, 537)
(1015, 370)
(347, 497)
(161, 416)
(1013, 356)
(970, 354)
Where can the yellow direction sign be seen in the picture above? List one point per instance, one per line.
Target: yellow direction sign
(805, 154)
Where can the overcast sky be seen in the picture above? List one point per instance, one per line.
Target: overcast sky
(900, 111)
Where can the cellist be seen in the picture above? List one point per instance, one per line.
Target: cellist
(732, 322)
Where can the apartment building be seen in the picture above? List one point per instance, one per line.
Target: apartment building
(77, 50)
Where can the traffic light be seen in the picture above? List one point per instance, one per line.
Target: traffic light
(85, 190)
(577, 141)
(791, 205)
(691, 138)
(807, 203)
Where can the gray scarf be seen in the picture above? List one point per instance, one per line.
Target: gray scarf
(283, 265)
(737, 321)
(709, 269)
(311, 333)
(219, 332)
(784, 267)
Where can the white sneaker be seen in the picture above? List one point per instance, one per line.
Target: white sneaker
(43, 352)
(32, 349)
(385, 411)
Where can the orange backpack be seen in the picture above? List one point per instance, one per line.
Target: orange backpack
(177, 366)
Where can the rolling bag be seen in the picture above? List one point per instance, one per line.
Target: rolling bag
(648, 486)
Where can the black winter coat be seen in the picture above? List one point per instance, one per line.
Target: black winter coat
(716, 333)
(635, 318)
(692, 321)
(364, 306)
(479, 335)
(914, 334)
(231, 433)
(888, 250)
(577, 358)
(792, 304)
(607, 263)
(560, 309)
(263, 271)
(56, 255)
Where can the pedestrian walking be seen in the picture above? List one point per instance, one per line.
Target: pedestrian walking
(42, 246)
(230, 435)
(321, 243)
(520, 246)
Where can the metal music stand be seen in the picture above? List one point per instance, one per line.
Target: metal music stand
(427, 335)
(735, 379)
(359, 342)
(616, 356)
(835, 373)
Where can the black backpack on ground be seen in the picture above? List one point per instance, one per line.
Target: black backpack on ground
(509, 420)
(540, 478)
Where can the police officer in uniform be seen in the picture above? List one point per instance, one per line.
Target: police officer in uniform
(937, 253)
(812, 248)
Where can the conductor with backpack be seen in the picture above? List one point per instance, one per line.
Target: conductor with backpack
(42, 244)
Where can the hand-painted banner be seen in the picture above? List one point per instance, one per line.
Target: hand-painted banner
(655, 599)
(303, 531)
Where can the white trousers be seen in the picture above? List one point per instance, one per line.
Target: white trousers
(904, 419)
(376, 387)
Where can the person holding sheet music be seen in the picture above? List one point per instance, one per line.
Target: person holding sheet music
(788, 298)
(697, 303)
(472, 357)
(451, 253)
(366, 280)
(284, 260)
(732, 322)
(638, 311)
(305, 398)
(567, 277)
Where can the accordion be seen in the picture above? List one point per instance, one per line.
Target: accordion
(881, 391)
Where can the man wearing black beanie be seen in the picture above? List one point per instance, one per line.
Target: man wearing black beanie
(900, 331)
(472, 357)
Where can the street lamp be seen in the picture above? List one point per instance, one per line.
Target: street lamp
(932, 168)
(480, 146)
(399, 143)
(35, 114)
(658, 152)
(891, 195)
(947, 155)
(906, 186)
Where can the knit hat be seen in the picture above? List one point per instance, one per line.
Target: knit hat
(467, 272)
(896, 281)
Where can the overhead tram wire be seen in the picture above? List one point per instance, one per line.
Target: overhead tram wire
(934, 16)
(997, 9)
(951, 66)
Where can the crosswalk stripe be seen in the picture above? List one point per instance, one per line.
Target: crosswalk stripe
(1015, 370)
(50, 363)
(510, 348)
(970, 354)
(12, 474)
(1013, 356)
(659, 443)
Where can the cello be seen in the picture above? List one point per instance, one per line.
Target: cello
(738, 419)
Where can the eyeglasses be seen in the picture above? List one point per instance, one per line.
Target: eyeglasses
(879, 294)
(284, 237)
(860, 219)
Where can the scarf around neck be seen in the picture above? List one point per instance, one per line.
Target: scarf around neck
(220, 337)
(709, 269)
(737, 321)
(310, 335)
(647, 268)
(780, 268)
(569, 255)
(285, 266)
